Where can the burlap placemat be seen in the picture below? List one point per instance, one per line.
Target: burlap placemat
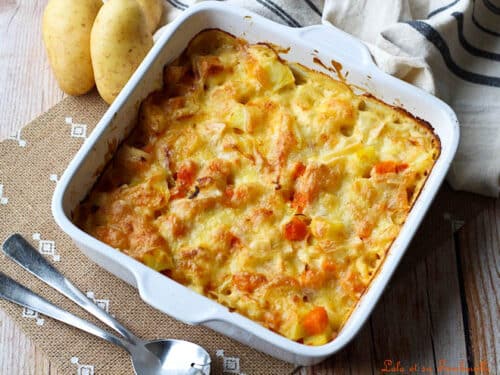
(30, 164)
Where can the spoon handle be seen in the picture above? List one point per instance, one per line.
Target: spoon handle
(13, 291)
(21, 251)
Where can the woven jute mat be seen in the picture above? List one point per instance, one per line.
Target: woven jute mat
(31, 163)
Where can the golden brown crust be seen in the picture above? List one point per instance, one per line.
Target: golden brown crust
(406, 113)
(268, 187)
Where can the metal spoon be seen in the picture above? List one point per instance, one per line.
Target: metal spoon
(157, 357)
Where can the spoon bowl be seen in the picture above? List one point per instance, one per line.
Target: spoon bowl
(177, 355)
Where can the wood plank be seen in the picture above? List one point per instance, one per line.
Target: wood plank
(479, 257)
(28, 88)
(435, 241)
(402, 329)
(27, 85)
(18, 355)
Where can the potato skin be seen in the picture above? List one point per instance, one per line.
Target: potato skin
(119, 41)
(66, 28)
(153, 10)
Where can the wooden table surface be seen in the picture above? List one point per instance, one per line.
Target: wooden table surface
(440, 313)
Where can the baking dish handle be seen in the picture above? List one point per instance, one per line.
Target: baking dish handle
(175, 299)
(337, 42)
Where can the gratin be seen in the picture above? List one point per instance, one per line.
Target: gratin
(264, 185)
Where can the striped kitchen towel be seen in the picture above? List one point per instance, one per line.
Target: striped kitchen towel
(295, 13)
(450, 48)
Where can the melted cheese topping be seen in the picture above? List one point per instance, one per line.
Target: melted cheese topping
(266, 186)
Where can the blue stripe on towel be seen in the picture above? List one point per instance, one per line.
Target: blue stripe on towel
(437, 40)
(478, 25)
(469, 47)
(439, 10)
(177, 4)
(273, 7)
(313, 7)
(492, 7)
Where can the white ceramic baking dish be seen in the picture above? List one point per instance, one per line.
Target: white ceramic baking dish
(324, 42)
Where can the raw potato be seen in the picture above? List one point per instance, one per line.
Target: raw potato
(66, 31)
(153, 10)
(119, 41)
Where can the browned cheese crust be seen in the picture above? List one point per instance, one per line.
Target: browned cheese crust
(266, 186)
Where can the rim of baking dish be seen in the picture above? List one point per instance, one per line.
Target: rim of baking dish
(209, 310)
